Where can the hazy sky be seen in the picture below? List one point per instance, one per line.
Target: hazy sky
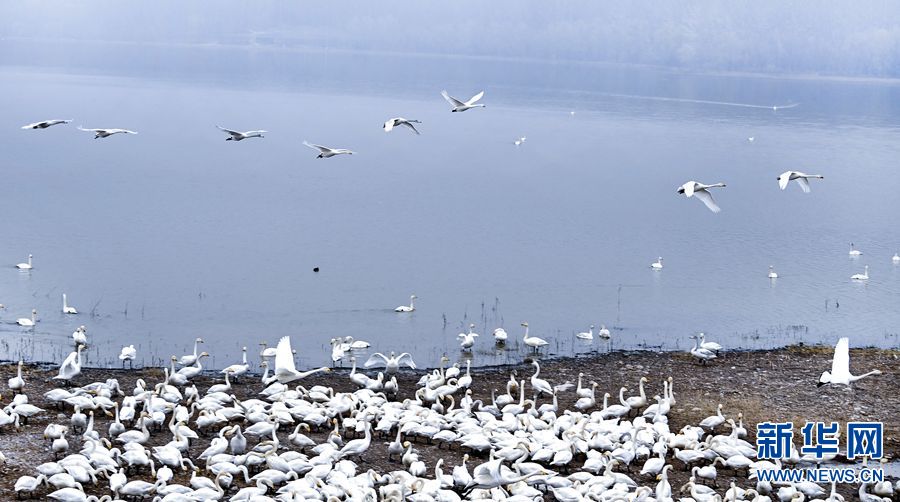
(830, 37)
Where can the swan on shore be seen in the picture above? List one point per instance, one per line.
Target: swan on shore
(802, 179)
(238, 135)
(326, 152)
(285, 371)
(190, 358)
(391, 363)
(27, 265)
(840, 367)
(400, 121)
(46, 123)
(701, 192)
(408, 308)
(105, 133)
(460, 106)
(68, 309)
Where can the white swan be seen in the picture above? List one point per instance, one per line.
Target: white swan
(25, 266)
(700, 353)
(700, 191)
(79, 336)
(356, 344)
(604, 332)
(326, 152)
(46, 123)
(285, 371)
(500, 335)
(519, 141)
(854, 252)
(67, 309)
(71, 366)
(105, 133)
(408, 308)
(532, 341)
(861, 277)
(840, 367)
(658, 264)
(238, 135)
(27, 322)
(802, 179)
(191, 358)
(238, 369)
(459, 106)
(399, 121)
(772, 274)
(467, 340)
(710, 346)
(17, 383)
(392, 363)
(896, 258)
(588, 335)
(128, 354)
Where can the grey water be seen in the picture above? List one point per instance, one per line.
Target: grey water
(174, 233)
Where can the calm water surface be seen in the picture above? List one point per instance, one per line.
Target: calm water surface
(172, 234)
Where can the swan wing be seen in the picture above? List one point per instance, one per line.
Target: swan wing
(376, 359)
(320, 148)
(804, 184)
(475, 98)
(229, 131)
(841, 363)
(260, 131)
(90, 130)
(389, 125)
(784, 179)
(407, 124)
(409, 360)
(284, 357)
(450, 99)
(707, 199)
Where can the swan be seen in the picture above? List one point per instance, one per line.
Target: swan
(392, 363)
(325, 152)
(896, 258)
(79, 336)
(238, 369)
(539, 385)
(639, 401)
(700, 353)
(128, 354)
(238, 135)
(285, 371)
(713, 421)
(772, 274)
(519, 141)
(17, 383)
(459, 106)
(190, 359)
(356, 344)
(840, 367)
(27, 322)
(500, 335)
(25, 485)
(658, 264)
(105, 133)
(189, 372)
(71, 366)
(861, 277)
(854, 252)
(532, 341)
(68, 309)
(710, 346)
(604, 332)
(25, 266)
(399, 121)
(467, 340)
(588, 335)
(411, 307)
(802, 179)
(585, 403)
(700, 191)
(46, 123)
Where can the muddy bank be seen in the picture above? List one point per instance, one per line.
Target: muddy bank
(775, 385)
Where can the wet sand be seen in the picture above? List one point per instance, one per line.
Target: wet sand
(773, 385)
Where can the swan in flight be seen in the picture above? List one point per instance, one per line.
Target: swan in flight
(68, 309)
(772, 274)
(26, 322)
(238, 135)
(460, 106)
(840, 367)
(325, 152)
(801, 178)
(46, 123)
(105, 133)
(587, 335)
(408, 308)
(532, 341)
(854, 253)
(657, 265)
(400, 121)
(285, 371)
(861, 277)
(700, 191)
(128, 354)
(392, 363)
(25, 266)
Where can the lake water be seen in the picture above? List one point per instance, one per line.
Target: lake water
(174, 233)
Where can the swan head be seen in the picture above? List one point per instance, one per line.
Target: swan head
(525, 324)
(824, 379)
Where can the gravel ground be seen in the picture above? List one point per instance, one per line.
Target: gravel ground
(775, 385)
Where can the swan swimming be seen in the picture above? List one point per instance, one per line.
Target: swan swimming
(588, 335)
(68, 309)
(408, 308)
(840, 367)
(861, 277)
(658, 264)
(500, 335)
(25, 266)
(772, 274)
(400, 121)
(238, 135)
(802, 179)
(325, 152)
(854, 253)
(27, 322)
(519, 141)
(46, 123)
(701, 192)
(532, 341)
(105, 133)
(896, 258)
(460, 106)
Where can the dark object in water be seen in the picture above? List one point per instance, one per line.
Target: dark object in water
(315, 269)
